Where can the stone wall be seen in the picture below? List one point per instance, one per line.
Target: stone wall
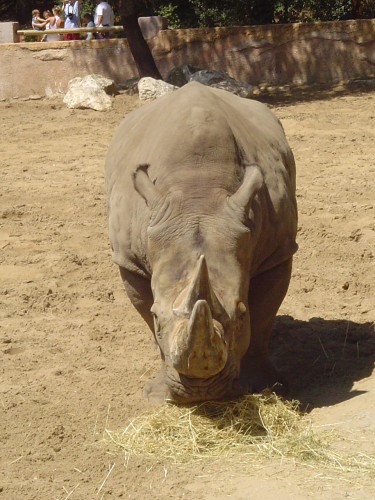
(272, 54)
(44, 69)
(8, 32)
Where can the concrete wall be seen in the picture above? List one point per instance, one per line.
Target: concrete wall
(44, 69)
(8, 32)
(272, 54)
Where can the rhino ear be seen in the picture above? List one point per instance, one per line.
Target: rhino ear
(144, 186)
(252, 182)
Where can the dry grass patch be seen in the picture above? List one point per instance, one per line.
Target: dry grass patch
(256, 426)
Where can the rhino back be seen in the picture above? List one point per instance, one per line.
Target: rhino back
(195, 141)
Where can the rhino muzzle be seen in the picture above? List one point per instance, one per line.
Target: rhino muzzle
(198, 348)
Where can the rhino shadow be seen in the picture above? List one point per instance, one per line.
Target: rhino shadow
(321, 359)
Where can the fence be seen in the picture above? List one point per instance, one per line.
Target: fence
(63, 31)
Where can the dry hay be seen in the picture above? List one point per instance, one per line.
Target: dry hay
(255, 426)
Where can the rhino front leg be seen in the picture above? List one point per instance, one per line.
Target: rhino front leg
(139, 292)
(267, 291)
(138, 289)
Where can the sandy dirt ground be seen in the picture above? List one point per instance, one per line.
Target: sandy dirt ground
(74, 355)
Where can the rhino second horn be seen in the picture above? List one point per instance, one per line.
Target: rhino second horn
(200, 351)
(144, 186)
(199, 289)
(252, 182)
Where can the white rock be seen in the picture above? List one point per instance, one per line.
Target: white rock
(94, 81)
(95, 99)
(90, 92)
(149, 88)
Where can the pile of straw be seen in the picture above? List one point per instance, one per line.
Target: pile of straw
(258, 426)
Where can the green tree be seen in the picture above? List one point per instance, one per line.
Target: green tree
(232, 12)
(88, 7)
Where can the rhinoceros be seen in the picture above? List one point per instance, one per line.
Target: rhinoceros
(202, 224)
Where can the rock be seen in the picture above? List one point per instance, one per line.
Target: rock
(90, 92)
(237, 88)
(152, 89)
(180, 75)
(150, 26)
(209, 77)
(95, 81)
(129, 87)
(51, 55)
(149, 88)
(34, 97)
(81, 98)
(221, 80)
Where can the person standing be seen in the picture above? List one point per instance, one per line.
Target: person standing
(47, 14)
(54, 24)
(72, 20)
(88, 22)
(103, 17)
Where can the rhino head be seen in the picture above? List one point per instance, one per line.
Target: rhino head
(200, 262)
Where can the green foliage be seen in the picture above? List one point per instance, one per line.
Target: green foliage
(312, 10)
(209, 13)
(170, 11)
(367, 9)
(87, 7)
(232, 13)
(5, 6)
(202, 13)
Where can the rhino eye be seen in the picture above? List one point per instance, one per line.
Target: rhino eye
(157, 332)
(155, 316)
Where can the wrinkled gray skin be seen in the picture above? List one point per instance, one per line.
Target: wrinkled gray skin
(202, 221)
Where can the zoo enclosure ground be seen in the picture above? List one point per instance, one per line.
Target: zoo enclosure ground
(74, 355)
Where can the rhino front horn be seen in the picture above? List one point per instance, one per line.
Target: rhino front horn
(200, 351)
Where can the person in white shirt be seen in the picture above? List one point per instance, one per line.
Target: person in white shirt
(72, 19)
(103, 17)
